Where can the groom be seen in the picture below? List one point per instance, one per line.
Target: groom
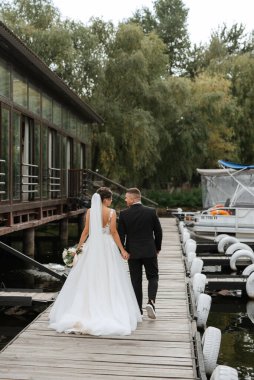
(140, 232)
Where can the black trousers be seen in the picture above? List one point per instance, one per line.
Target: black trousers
(152, 274)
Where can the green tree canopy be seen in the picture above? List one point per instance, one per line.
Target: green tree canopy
(169, 21)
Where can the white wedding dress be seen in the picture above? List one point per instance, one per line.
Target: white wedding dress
(97, 297)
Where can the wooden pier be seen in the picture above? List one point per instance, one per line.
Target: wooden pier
(159, 349)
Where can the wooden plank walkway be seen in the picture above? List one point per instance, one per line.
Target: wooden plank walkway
(158, 349)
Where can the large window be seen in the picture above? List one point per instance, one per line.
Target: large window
(34, 100)
(77, 162)
(85, 133)
(73, 124)
(64, 166)
(54, 146)
(44, 165)
(57, 114)
(37, 140)
(16, 156)
(66, 119)
(19, 90)
(5, 80)
(46, 107)
(4, 154)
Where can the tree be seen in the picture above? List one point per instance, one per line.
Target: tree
(217, 110)
(169, 21)
(224, 43)
(136, 60)
(240, 69)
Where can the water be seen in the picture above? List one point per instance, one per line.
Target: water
(234, 316)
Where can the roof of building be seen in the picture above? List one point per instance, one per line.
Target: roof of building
(14, 47)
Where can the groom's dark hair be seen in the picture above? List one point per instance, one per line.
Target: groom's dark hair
(105, 193)
(134, 191)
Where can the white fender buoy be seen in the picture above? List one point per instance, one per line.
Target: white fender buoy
(225, 242)
(190, 245)
(185, 235)
(219, 237)
(211, 347)
(236, 247)
(190, 257)
(250, 285)
(181, 226)
(203, 309)
(248, 270)
(198, 285)
(241, 253)
(196, 266)
(250, 310)
(223, 372)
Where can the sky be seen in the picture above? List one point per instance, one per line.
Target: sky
(204, 15)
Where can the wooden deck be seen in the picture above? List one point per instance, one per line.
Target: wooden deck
(158, 349)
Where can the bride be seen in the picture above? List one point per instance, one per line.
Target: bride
(97, 297)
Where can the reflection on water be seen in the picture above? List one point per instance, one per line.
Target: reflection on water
(234, 317)
(14, 319)
(14, 273)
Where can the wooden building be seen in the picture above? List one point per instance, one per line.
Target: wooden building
(45, 131)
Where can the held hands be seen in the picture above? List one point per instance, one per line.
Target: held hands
(125, 254)
(78, 250)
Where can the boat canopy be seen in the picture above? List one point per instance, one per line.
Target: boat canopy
(231, 186)
(233, 165)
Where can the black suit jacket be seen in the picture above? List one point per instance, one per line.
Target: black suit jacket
(140, 231)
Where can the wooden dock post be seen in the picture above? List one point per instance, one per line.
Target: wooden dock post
(28, 242)
(63, 231)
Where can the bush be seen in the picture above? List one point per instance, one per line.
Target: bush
(191, 198)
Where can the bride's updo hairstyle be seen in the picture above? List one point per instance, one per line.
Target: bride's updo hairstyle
(105, 193)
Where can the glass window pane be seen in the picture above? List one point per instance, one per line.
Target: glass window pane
(5, 154)
(44, 161)
(79, 128)
(66, 120)
(64, 166)
(85, 133)
(73, 124)
(77, 156)
(19, 90)
(37, 138)
(57, 114)
(5, 80)
(16, 156)
(46, 107)
(34, 100)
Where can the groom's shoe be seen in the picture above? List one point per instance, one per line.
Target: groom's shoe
(150, 308)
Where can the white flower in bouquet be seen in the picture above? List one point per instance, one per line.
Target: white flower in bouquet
(69, 255)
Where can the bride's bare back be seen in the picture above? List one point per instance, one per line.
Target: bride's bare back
(105, 216)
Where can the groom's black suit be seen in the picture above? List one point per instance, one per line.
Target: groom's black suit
(140, 232)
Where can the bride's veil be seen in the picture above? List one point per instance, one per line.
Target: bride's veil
(95, 226)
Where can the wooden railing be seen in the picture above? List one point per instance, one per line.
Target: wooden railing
(84, 182)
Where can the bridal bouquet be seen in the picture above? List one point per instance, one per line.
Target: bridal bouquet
(70, 256)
